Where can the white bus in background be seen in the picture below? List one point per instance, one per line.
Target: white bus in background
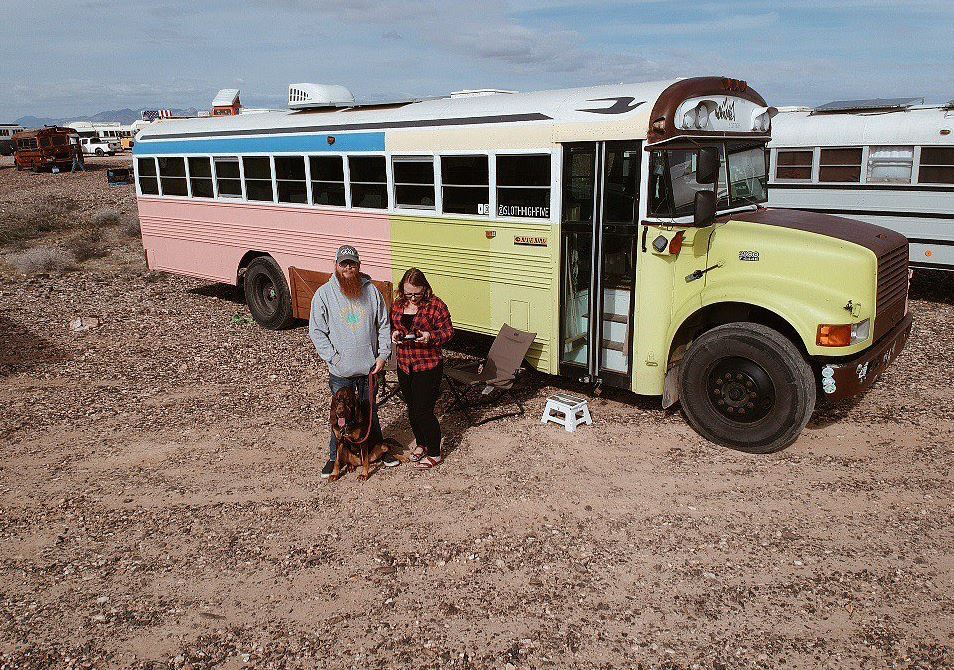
(6, 137)
(111, 134)
(887, 162)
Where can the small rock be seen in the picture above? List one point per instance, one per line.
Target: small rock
(83, 323)
(102, 600)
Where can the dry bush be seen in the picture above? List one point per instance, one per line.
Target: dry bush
(23, 223)
(89, 243)
(132, 228)
(106, 218)
(40, 259)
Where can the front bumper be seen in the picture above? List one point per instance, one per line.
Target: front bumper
(845, 378)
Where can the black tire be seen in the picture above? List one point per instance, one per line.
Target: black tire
(747, 387)
(99, 152)
(267, 294)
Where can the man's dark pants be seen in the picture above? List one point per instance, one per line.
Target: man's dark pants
(360, 386)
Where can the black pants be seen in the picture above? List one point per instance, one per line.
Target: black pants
(421, 391)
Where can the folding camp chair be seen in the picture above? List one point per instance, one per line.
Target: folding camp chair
(388, 387)
(492, 379)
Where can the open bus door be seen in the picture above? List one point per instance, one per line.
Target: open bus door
(598, 260)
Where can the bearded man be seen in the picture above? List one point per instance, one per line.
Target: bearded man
(351, 329)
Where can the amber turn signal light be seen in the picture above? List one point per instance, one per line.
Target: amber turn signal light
(833, 335)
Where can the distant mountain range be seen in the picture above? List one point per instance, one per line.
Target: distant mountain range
(124, 116)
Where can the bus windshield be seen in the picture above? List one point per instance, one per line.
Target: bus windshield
(742, 179)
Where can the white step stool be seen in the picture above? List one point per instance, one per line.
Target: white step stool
(571, 407)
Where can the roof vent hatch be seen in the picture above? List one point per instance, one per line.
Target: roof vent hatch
(316, 96)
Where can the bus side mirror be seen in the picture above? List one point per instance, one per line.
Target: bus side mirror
(705, 208)
(707, 167)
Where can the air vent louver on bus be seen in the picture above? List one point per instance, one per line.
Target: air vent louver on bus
(313, 96)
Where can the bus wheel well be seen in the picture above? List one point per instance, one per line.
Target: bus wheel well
(729, 312)
(243, 264)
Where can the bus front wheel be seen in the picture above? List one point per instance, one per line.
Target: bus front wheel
(747, 387)
(267, 294)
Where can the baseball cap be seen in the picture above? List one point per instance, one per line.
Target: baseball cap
(347, 253)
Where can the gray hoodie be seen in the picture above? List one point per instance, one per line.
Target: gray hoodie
(350, 334)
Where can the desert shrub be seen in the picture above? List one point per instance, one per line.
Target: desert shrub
(88, 244)
(106, 218)
(40, 259)
(132, 228)
(22, 223)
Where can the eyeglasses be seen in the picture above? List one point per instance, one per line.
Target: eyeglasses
(413, 296)
(348, 265)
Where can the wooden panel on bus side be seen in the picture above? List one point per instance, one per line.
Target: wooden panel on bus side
(304, 283)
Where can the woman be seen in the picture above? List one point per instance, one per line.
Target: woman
(420, 326)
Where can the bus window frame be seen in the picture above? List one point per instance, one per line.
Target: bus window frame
(555, 154)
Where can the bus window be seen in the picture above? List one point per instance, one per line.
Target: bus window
(747, 174)
(620, 189)
(327, 180)
(369, 187)
(937, 165)
(890, 165)
(579, 163)
(523, 186)
(840, 165)
(794, 164)
(148, 184)
(465, 184)
(200, 177)
(227, 177)
(290, 173)
(258, 178)
(414, 182)
(172, 176)
(59, 140)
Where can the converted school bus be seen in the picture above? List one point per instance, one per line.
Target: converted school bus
(622, 224)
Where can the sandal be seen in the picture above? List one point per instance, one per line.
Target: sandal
(417, 454)
(428, 462)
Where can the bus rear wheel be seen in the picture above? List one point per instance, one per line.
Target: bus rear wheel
(267, 294)
(747, 387)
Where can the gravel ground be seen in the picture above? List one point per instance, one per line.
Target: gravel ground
(160, 504)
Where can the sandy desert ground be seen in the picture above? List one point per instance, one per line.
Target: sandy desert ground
(161, 506)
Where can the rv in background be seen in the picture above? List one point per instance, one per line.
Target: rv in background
(888, 161)
(7, 130)
(45, 148)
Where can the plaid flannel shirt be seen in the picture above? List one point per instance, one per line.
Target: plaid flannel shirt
(433, 317)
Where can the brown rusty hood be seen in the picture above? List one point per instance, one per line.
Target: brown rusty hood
(877, 239)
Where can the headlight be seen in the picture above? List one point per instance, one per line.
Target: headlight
(860, 331)
(702, 117)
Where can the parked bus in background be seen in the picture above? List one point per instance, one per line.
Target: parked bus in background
(622, 224)
(45, 148)
(887, 162)
(105, 138)
(7, 131)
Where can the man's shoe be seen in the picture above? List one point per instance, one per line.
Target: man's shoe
(389, 461)
(328, 469)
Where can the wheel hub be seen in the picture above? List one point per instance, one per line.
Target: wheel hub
(740, 390)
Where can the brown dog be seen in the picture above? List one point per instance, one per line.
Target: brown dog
(350, 420)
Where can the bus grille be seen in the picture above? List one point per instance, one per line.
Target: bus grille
(892, 289)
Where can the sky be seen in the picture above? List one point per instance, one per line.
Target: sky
(63, 57)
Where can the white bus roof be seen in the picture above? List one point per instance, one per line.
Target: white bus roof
(558, 105)
(914, 125)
